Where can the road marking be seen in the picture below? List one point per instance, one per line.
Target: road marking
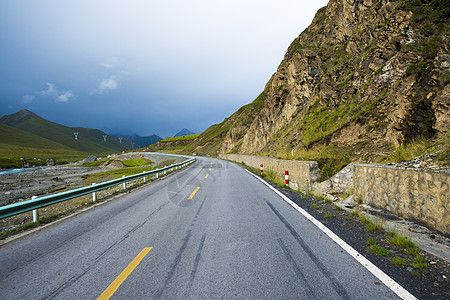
(206, 175)
(193, 193)
(388, 281)
(125, 273)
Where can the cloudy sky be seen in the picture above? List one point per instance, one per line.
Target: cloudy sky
(143, 65)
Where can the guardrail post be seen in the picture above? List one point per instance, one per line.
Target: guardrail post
(124, 184)
(35, 212)
(261, 169)
(157, 175)
(144, 176)
(286, 178)
(94, 194)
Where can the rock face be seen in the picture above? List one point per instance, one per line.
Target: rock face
(365, 74)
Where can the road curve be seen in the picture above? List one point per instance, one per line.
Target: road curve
(212, 231)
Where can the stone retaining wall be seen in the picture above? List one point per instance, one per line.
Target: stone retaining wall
(416, 194)
(301, 173)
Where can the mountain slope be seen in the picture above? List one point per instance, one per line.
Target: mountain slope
(89, 140)
(364, 76)
(13, 136)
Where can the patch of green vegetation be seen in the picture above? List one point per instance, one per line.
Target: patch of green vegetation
(321, 121)
(419, 262)
(330, 159)
(375, 248)
(416, 68)
(272, 176)
(314, 206)
(398, 261)
(445, 78)
(10, 156)
(95, 163)
(411, 150)
(401, 242)
(117, 173)
(355, 212)
(137, 162)
(434, 11)
(369, 226)
(336, 207)
(328, 216)
(181, 138)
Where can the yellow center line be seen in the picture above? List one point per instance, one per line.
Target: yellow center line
(125, 273)
(206, 175)
(193, 193)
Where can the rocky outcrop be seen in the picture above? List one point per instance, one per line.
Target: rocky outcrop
(365, 75)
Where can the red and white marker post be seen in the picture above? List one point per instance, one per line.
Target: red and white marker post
(286, 178)
(261, 169)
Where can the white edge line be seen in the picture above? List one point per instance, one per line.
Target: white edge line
(383, 277)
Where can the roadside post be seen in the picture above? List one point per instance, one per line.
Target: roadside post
(35, 212)
(286, 178)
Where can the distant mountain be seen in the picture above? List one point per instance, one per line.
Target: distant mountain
(142, 141)
(39, 131)
(184, 131)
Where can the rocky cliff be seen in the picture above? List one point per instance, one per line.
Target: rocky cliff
(365, 75)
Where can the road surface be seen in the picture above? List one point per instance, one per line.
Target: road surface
(212, 231)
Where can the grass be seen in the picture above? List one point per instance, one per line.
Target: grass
(398, 261)
(113, 174)
(321, 121)
(375, 248)
(401, 242)
(330, 159)
(181, 138)
(314, 206)
(369, 226)
(95, 163)
(328, 216)
(419, 262)
(137, 162)
(10, 155)
(271, 175)
(406, 152)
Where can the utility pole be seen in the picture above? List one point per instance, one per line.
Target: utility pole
(76, 135)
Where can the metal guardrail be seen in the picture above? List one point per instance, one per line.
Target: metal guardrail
(36, 203)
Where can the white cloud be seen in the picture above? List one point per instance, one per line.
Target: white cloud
(107, 84)
(110, 63)
(53, 92)
(50, 91)
(27, 99)
(65, 96)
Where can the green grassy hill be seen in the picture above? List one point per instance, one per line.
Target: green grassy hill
(17, 137)
(89, 140)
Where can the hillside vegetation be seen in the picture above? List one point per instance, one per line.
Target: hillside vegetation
(27, 135)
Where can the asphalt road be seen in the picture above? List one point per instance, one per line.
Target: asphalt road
(210, 231)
